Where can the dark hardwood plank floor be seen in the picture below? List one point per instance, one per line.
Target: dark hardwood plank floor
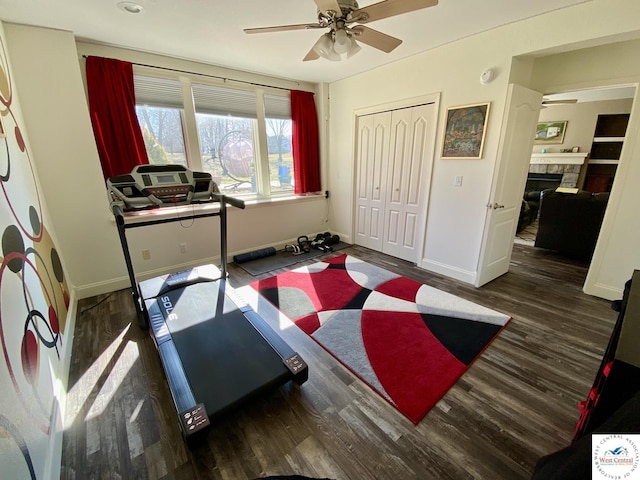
(517, 402)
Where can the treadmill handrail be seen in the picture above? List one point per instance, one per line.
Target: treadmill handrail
(234, 202)
(122, 225)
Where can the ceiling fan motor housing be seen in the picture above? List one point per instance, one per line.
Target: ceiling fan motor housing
(346, 7)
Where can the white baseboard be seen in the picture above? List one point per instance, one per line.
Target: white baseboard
(449, 271)
(119, 283)
(600, 290)
(113, 284)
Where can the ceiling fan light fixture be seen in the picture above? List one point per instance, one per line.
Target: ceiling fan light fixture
(324, 48)
(341, 41)
(353, 47)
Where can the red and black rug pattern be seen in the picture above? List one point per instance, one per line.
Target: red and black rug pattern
(410, 342)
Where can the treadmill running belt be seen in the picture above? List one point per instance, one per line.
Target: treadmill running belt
(224, 357)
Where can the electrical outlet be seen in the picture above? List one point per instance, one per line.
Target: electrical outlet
(146, 254)
(183, 248)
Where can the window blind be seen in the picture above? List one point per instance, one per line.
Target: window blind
(158, 92)
(224, 101)
(277, 106)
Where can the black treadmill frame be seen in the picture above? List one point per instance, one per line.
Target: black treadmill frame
(123, 227)
(182, 394)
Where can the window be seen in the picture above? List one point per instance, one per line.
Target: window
(226, 146)
(241, 136)
(226, 120)
(278, 126)
(162, 133)
(160, 114)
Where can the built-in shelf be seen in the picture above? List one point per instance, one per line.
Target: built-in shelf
(602, 162)
(606, 149)
(608, 139)
(559, 158)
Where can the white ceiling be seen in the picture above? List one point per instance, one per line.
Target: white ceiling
(595, 94)
(211, 31)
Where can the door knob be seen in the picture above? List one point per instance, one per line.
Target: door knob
(494, 206)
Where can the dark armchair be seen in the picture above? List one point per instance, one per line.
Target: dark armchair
(570, 222)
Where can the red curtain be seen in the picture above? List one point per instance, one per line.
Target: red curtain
(112, 106)
(306, 151)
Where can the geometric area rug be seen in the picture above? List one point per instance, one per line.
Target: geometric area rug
(408, 341)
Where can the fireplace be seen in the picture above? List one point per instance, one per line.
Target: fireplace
(543, 181)
(553, 170)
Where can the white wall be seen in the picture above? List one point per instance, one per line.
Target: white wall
(47, 71)
(456, 215)
(37, 310)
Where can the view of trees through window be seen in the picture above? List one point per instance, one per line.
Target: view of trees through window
(227, 147)
(280, 154)
(227, 151)
(163, 136)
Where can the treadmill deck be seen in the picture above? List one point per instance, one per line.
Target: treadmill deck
(215, 353)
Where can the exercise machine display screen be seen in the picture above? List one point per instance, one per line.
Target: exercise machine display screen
(166, 179)
(159, 186)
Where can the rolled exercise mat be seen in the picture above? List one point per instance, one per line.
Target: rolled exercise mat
(256, 254)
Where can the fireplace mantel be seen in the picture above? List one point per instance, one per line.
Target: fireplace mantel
(559, 158)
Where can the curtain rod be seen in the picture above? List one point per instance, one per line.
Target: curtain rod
(207, 75)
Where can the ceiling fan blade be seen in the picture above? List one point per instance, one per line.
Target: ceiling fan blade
(376, 39)
(312, 55)
(559, 102)
(282, 28)
(390, 8)
(325, 5)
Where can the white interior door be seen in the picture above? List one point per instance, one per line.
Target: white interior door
(371, 158)
(408, 174)
(514, 155)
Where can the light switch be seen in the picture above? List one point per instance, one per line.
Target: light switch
(457, 182)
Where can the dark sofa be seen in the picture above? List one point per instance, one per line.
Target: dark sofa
(529, 209)
(570, 222)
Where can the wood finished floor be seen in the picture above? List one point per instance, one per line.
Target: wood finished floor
(517, 402)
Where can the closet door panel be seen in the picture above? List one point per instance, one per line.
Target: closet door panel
(375, 225)
(410, 234)
(410, 161)
(371, 157)
(399, 161)
(393, 223)
(416, 163)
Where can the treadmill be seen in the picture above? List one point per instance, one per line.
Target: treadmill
(216, 351)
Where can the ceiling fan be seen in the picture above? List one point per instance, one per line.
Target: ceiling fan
(344, 20)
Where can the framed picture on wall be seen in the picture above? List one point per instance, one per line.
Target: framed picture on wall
(550, 133)
(465, 131)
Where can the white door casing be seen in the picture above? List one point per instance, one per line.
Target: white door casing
(522, 109)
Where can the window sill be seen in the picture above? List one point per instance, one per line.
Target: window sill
(138, 216)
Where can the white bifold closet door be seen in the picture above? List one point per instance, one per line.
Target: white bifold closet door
(394, 160)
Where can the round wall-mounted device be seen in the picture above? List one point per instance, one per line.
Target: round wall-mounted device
(487, 76)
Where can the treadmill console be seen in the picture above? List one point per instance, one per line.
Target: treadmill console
(160, 186)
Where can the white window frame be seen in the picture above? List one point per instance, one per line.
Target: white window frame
(190, 126)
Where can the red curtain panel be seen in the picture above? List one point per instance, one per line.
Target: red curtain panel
(112, 107)
(306, 151)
